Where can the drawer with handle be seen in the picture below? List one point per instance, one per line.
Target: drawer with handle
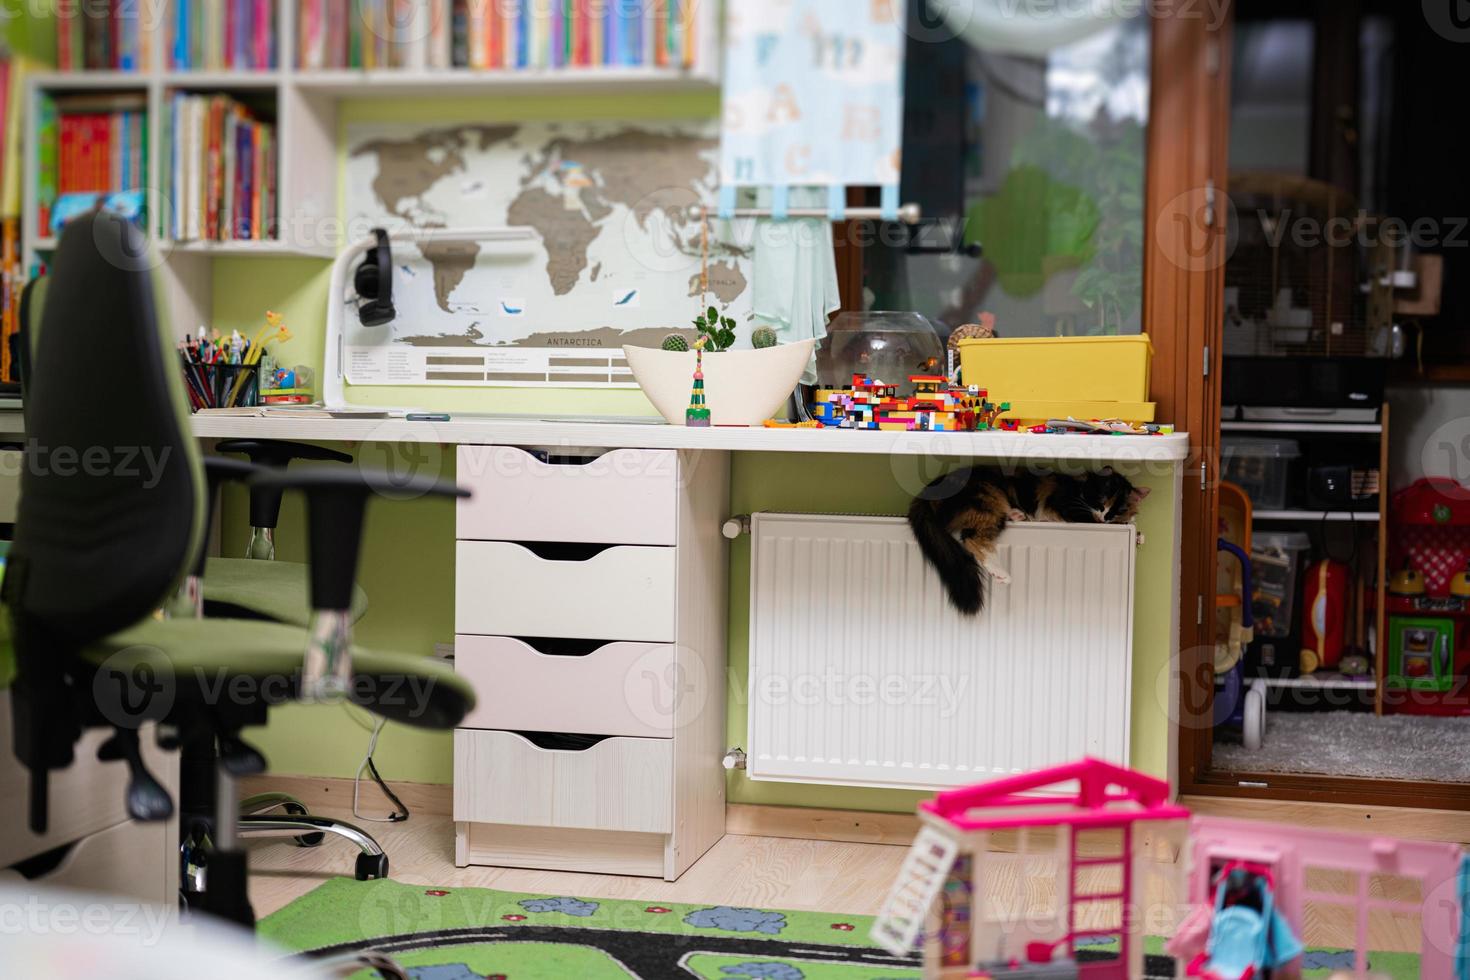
(622, 784)
(598, 688)
(626, 496)
(617, 593)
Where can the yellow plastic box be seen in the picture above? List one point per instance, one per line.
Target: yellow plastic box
(1054, 377)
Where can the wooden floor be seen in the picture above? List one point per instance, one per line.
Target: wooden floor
(762, 872)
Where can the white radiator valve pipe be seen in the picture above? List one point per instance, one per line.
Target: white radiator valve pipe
(736, 526)
(734, 759)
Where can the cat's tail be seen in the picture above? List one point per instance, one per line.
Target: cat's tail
(957, 568)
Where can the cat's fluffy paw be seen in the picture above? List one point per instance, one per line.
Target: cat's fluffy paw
(1017, 515)
(998, 575)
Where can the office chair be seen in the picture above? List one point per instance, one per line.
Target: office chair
(112, 518)
(240, 588)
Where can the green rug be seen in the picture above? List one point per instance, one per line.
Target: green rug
(481, 934)
(474, 933)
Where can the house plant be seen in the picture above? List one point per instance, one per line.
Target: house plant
(743, 387)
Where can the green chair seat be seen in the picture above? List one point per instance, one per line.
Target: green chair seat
(414, 690)
(279, 591)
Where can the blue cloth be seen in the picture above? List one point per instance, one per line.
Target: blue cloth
(1462, 957)
(795, 274)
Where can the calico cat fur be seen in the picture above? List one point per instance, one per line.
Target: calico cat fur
(957, 518)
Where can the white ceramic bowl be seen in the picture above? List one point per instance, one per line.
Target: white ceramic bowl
(741, 387)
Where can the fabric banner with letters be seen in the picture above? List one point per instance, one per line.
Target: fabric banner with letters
(813, 94)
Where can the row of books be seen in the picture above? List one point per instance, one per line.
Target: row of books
(88, 144)
(101, 35)
(12, 269)
(496, 34)
(222, 167)
(223, 35)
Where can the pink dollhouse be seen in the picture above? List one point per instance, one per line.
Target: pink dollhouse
(974, 892)
(1357, 874)
(1087, 821)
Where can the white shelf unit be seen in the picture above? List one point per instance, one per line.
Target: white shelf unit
(306, 105)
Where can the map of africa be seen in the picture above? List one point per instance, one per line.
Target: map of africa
(614, 255)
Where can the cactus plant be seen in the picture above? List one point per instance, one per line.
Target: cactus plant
(762, 337)
(720, 331)
(676, 342)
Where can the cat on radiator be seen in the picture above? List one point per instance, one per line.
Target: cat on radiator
(957, 518)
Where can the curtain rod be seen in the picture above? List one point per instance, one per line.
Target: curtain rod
(908, 214)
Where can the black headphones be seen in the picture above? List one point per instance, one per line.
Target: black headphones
(374, 283)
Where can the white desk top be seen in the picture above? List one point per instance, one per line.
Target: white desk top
(486, 430)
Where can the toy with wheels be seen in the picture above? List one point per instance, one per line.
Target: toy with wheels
(1239, 707)
(1247, 934)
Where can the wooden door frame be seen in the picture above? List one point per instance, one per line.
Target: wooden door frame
(1187, 244)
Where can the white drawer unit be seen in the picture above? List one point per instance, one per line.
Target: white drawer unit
(617, 784)
(627, 496)
(623, 592)
(590, 598)
(615, 689)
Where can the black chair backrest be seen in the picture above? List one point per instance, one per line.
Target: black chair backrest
(112, 495)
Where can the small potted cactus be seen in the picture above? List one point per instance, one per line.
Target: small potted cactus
(743, 387)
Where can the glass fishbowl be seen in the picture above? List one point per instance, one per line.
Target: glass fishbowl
(886, 346)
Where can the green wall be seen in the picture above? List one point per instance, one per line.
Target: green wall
(408, 555)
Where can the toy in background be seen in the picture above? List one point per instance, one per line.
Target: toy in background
(286, 386)
(1246, 884)
(1428, 644)
(889, 345)
(1101, 427)
(1326, 586)
(935, 406)
(697, 415)
(225, 373)
(1248, 935)
(1099, 818)
(1276, 560)
(984, 330)
(1239, 707)
(1047, 378)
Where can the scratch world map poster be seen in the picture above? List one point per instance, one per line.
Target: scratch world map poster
(615, 257)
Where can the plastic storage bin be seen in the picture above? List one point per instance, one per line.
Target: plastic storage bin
(1054, 377)
(1263, 468)
(1276, 560)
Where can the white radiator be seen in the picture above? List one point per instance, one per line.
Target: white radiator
(862, 674)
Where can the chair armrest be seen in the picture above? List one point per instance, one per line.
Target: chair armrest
(336, 500)
(265, 502)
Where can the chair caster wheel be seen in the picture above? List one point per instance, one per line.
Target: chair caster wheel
(304, 840)
(372, 866)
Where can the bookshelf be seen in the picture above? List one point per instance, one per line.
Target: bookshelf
(305, 102)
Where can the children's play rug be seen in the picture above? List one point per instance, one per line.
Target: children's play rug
(480, 934)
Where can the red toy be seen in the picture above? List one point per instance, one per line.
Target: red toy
(1429, 537)
(1324, 622)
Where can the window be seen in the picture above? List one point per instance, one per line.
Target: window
(1036, 162)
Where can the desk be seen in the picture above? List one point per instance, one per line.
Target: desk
(809, 471)
(469, 430)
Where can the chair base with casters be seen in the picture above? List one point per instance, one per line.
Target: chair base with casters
(256, 820)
